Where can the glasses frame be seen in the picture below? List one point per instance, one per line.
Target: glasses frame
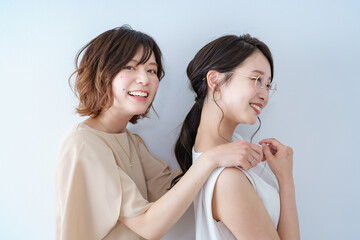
(271, 90)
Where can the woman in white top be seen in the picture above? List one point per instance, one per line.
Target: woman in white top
(232, 78)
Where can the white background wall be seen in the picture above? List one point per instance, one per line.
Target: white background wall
(316, 110)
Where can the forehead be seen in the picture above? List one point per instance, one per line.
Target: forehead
(256, 63)
(143, 56)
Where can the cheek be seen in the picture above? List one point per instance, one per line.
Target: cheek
(240, 97)
(115, 87)
(118, 81)
(249, 93)
(156, 85)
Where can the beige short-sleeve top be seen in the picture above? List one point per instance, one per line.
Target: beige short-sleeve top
(96, 182)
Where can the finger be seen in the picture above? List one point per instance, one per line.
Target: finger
(245, 165)
(255, 155)
(253, 161)
(263, 157)
(274, 145)
(271, 141)
(256, 148)
(253, 146)
(267, 152)
(273, 149)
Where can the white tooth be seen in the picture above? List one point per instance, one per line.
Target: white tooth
(139, 94)
(255, 106)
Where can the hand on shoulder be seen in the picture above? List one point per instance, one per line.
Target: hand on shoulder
(235, 154)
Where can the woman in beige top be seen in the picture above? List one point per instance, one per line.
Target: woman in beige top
(108, 184)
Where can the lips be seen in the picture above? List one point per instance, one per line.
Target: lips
(257, 107)
(138, 93)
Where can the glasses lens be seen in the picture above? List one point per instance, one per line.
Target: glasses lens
(261, 84)
(273, 89)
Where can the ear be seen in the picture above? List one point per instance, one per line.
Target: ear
(212, 78)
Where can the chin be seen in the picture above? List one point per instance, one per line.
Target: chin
(140, 111)
(252, 121)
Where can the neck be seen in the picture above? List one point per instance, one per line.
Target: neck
(109, 122)
(213, 130)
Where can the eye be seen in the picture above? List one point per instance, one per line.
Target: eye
(152, 71)
(129, 68)
(257, 79)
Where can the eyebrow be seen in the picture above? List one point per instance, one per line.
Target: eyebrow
(137, 62)
(260, 72)
(153, 63)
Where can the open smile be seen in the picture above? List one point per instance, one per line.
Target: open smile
(257, 107)
(139, 95)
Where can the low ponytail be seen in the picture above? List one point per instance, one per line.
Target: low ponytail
(186, 140)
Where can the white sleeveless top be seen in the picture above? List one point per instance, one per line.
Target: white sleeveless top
(265, 185)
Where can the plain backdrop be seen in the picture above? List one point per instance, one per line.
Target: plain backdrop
(316, 51)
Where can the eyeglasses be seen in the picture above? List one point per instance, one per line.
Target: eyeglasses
(261, 83)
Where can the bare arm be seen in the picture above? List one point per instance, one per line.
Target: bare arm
(288, 227)
(243, 212)
(238, 206)
(166, 211)
(280, 159)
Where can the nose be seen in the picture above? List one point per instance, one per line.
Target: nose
(142, 78)
(264, 95)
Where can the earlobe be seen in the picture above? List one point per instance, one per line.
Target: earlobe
(216, 96)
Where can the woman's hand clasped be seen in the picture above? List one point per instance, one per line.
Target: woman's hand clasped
(279, 157)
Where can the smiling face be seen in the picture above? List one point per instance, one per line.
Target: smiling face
(135, 86)
(240, 100)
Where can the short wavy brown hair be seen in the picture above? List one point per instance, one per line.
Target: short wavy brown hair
(102, 59)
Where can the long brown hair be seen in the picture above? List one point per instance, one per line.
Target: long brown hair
(102, 59)
(223, 55)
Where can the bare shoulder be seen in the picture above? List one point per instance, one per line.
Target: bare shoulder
(232, 186)
(233, 177)
(236, 204)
